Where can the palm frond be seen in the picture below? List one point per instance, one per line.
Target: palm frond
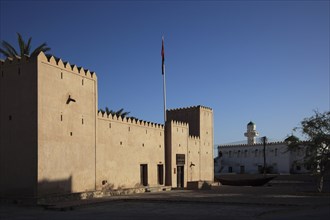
(28, 46)
(21, 44)
(5, 53)
(10, 49)
(42, 48)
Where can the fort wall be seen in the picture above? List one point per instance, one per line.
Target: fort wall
(67, 103)
(18, 127)
(194, 158)
(124, 144)
(177, 143)
(53, 140)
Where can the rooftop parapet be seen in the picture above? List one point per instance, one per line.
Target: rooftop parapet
(258, 144)
(15, 60)
(193, 137)
(179, 123)
(66, 65)
(54, 61)
(189, 108)
(129, 120)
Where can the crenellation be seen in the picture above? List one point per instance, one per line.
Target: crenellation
(259, 144)
(189, 108)
(193, 137)
(52, 61)
(60, 64)
(129, 121)
(74, 68)
(179, 123)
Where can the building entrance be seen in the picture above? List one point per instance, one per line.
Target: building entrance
(180, 176)
(144, 174)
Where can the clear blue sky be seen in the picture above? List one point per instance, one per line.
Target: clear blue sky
(265, 61)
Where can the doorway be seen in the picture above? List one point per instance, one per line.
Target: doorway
(160, 169)
(242, 169)
(144, 174)
(180, 176)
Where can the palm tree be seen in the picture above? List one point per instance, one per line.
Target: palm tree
(24, 48)
(118, 113)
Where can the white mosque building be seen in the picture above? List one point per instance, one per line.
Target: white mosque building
(249, 158)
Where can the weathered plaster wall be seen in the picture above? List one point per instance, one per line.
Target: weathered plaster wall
(66, 130)
(200, 148)
(251, 156)
(18, 127)
(123, 145)
(194, 159)
(177, 144)
(207, 143)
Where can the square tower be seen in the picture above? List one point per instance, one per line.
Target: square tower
(48, 126)
(191, 152)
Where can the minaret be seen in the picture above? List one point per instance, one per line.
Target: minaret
(251, 133)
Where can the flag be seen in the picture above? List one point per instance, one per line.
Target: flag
(163, 57)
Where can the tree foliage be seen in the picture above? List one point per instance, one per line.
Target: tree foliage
(317, 131)
(24, 48)
(119, 113)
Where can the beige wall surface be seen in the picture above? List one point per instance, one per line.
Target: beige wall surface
(54, 141)
(66, 129)
(123, 145)
(201, 149)
(18, 127)
(190, 115)
(194, 159)
(206, 136)
(178, 145)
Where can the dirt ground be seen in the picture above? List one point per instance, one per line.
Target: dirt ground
(280, 199)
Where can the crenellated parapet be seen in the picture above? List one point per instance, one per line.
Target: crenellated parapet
(194, 138)
(189, 108)
(258, 144)
(128, 120)
(15, 61)
(179, 124)
(59, 63)
(51, 60)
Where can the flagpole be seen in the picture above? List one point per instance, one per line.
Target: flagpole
(163, 73)
(164, 94)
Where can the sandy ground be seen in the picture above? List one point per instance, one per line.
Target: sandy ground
(279, 200)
